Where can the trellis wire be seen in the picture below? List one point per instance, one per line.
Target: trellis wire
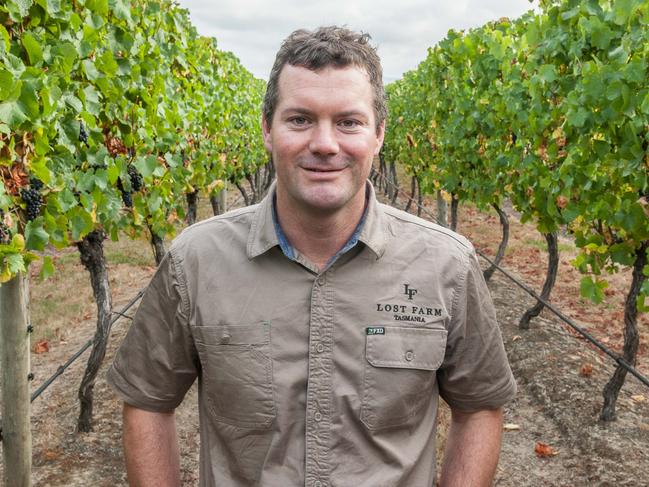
(73, 358)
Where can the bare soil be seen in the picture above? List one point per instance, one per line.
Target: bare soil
(560, 377)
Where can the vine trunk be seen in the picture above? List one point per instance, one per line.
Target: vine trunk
(91, 249)
(551, 277)
(504, 224)
(631, 336)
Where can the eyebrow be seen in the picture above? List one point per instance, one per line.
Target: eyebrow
(304, 111)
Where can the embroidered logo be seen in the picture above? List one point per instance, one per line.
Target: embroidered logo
(410, 312)
(375, 330)
(410, 292)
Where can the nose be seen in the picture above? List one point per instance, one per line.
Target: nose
(323, 140)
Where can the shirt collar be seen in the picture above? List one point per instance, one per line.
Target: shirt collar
(266, 233)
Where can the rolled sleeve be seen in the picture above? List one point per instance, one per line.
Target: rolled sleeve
(157, 363)
(475, 373)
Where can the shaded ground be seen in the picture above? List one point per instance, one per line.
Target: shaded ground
(555, 405)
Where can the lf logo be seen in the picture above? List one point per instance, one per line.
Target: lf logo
(409, 291)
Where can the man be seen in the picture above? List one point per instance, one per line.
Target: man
(322, 326)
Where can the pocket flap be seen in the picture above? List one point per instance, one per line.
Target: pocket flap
(253, 334)
(406, 348)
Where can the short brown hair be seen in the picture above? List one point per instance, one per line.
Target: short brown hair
(327, 46)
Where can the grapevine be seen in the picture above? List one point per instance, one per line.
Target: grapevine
(550, 111)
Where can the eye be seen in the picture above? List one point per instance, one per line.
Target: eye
(298, 121)
(349, 123)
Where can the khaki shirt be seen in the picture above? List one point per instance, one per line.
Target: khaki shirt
(316, 379)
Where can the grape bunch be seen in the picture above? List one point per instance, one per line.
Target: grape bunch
(5, 234)
(83, 135)
(136, 178)
(127, 198)
(33, 201)
(35, 183)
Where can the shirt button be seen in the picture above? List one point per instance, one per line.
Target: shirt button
(318, 416)
(409, 355)
(319, 348)
(317, 483)
(321, 281)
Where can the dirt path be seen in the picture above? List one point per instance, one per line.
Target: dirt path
(555, 405)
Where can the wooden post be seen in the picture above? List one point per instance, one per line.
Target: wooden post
(14, 365)
(223, 199)
(219, 202)
(442, 209)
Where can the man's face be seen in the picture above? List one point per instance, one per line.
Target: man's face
(323, 138)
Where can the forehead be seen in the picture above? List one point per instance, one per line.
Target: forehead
(345, 85)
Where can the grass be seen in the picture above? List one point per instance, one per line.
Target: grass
(541, 244)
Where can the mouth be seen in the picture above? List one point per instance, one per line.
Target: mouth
(321, 168)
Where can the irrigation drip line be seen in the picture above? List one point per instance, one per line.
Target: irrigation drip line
(615, 356)
(71, 360)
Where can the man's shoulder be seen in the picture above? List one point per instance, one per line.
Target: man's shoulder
(424, 229)
(224, 227)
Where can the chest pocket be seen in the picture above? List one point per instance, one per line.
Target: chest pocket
(237, 373)
(399, 375)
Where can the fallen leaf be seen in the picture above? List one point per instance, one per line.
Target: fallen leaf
(638, 398)
(515, 338)
(51, 454)
(511, 427)
(42, 346)
(586, 370)
(543, 450)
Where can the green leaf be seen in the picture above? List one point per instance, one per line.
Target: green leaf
(577, 118)
(28, 101)
(4, 37)
(548, 73)
(146, 165)
(98, 6)
(47, 269)
(19, 8)
(120, 9)
(33, 48)
(80, 223)
(35, 235)
(15, 263)
(91, 100)
(67, 200)
(101, 179)
(593, 290)
(73, 102)
(89, 67)
(624, 9)
(7, 84)
(12, 114)
(106, 63)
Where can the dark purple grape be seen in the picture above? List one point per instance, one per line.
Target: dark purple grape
(136, 178)
(83, 135)
(33, 202)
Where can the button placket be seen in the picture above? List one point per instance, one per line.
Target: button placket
(318, 415)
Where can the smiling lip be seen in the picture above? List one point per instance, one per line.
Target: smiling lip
(321, 169)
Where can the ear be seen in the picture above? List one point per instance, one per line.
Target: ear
(265, 129)
(380, 134)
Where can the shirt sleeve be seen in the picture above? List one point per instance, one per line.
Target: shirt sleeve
(475, 373)
(157, 363)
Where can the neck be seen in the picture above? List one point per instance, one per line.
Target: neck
(318, 236)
